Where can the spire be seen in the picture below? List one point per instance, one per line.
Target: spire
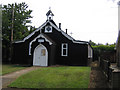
(49, 14)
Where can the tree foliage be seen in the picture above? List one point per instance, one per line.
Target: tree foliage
(92, 43)
(21, 16)
(21, 19)
(100, 49)
(104, 48)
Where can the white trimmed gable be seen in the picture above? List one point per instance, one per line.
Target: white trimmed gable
(41, 35)
(40, 28)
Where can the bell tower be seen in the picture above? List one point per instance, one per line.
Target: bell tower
(49, 15)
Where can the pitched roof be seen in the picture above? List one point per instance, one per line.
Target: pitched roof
(49, 12)
(55, 26)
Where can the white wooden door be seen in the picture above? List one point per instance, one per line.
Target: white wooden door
(40, 57)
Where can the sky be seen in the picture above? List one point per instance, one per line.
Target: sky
(95, 20)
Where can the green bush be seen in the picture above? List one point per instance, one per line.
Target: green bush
(100, 49)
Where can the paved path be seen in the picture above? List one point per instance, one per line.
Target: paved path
(8, 78)
(97, 78)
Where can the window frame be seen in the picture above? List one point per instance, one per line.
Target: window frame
(46, 31)
(90, 52)
(66, 49)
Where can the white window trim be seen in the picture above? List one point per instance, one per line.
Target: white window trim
(90, 52)
(64, 48)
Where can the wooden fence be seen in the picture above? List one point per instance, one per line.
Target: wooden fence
(105, 66)
(111, 76)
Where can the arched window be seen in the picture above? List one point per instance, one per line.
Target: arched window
(64, 51)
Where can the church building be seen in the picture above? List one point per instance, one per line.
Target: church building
(49, 45)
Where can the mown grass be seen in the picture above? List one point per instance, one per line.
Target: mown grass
(8, 68)
(55, 77)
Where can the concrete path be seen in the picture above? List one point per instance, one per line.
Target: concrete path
(97, 78)
(9, 78)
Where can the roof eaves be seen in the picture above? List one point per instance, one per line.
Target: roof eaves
(66, 35)
(32, 33)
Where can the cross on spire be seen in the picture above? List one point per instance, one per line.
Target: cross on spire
(71, 33)
(49, 8)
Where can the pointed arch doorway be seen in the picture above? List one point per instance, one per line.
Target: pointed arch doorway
(40, 56)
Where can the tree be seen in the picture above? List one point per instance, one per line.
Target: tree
(20, 23)
(92, 43)
(21, 19)
(101, 50)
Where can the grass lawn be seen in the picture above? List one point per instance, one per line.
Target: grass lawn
(55, 77)
(7, 68)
